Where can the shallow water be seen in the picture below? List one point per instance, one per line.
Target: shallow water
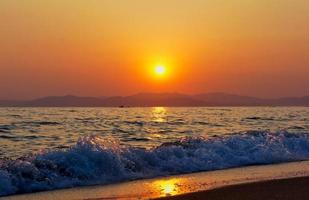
(175, 185)
(88, 146)
(29, 130)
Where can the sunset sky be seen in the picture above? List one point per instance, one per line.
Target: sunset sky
(112, 47)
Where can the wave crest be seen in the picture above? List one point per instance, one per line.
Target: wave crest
(96, 160)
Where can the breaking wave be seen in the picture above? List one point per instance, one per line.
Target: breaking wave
(94, 160)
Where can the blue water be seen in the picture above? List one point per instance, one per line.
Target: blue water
(49, 148)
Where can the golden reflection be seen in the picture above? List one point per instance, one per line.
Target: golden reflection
(159, 114)
(168, 187)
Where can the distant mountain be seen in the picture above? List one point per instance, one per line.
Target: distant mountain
(290, 101)
(224, 99)
(65, 101)
(154, 99)
(157, 99)
(10, 103)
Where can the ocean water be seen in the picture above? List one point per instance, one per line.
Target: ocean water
(51, 148)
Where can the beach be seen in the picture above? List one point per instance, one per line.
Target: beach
(279, 181)
(284, 189)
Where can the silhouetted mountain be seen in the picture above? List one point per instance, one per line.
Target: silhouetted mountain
(158, 99)
(64, 101)
(290, 101)
(224, 99)
(154, 99)
(10, 103)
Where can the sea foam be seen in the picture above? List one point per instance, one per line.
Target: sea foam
(94, 160)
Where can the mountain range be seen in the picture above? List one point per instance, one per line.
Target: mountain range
(157, 99)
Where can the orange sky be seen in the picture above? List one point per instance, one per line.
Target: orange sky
(109, 47)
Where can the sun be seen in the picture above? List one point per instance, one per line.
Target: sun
(160, 70)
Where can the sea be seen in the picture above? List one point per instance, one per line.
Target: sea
(53, 148)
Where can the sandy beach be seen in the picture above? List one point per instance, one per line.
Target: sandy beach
(284, 189)
(280, 181)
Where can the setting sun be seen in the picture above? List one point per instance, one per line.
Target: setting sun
(160, 70)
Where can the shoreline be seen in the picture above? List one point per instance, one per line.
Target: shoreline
(283, 189)
(194, 186)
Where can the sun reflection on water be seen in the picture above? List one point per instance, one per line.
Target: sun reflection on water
(168, 187)
(159, 114)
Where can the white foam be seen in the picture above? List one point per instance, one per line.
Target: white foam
(95, 160)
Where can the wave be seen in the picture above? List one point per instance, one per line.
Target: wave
(260, 118)
(41, 123)
(94, 160)
(6, 128)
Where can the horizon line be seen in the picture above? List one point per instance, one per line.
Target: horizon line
(156, 93)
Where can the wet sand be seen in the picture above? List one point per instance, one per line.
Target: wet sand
(285, 189)
(280, 181)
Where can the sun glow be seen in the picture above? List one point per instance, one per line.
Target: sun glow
(160, 70)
